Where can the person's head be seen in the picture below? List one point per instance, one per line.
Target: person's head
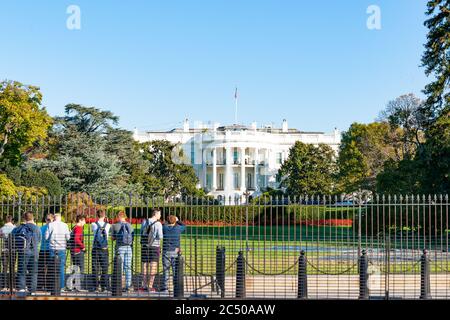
(101, 214)
(57, 217)
(49, 218)
(28, 216)
(80, 219)
(121, 216)
(172, 219)
(9, 219)
(156, 213)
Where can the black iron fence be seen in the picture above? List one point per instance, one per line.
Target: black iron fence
(385, 247)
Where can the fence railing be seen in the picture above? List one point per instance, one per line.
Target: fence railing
(315, 247)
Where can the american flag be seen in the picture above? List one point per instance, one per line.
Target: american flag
(235, 93)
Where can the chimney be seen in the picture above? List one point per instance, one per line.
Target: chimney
(253, 125)
(284, 127)
(186, 125)
(135, 133)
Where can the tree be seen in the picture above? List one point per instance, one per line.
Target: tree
(436, 58)
(81, 160)
(308, 170)
(23, 120)
(43, 179)
(363, 151)
(167, 177)
(406, 122)
(435, 158)
(128, 152)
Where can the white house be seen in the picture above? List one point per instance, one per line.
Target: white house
(234, 160)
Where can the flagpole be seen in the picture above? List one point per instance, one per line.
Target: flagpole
(235, 106)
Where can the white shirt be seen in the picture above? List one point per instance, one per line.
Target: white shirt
(58, 234)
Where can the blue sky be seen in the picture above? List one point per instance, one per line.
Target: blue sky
(153, 63)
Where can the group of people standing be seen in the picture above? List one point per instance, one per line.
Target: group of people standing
(36, 250)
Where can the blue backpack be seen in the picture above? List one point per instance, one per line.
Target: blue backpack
(23, 237)
(124, 236)
(101, 236)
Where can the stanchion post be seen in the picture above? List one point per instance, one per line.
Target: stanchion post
(240, 276)
(56, 276)
(363, 265)
(116, 284)
(425, 288)
(178, 286)
(220, 269)
(302, 290)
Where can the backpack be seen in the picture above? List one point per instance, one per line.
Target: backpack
(71, 241)
(148, 234)
(101, 237)
(124, 235)
(23, 237)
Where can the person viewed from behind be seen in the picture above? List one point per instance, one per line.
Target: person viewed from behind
(44, 255)
(172, 231)
(26, 238)
(5, 232)
(151, 236)
(58, 234)
(100, 230)
(78, 249)
(122, 234)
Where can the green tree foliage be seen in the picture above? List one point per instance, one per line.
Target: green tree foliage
(436, 58)
(81, 160)
(363, 151)
(43, 179)
(167, 176)
(128, 152)
(435, 158)
(308, 170)
(23, 120)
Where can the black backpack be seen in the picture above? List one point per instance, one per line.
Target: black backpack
(22, 237)
(124, 236)
(71, 241)
(147, 235)
(101, 237)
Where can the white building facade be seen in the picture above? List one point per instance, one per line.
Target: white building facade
(232, 161)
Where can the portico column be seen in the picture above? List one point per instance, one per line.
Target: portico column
(228, 171)
(214, 174)
(266, 165)
(242, 169)
(256, 169)
(204, 168)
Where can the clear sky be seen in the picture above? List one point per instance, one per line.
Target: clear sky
(153, 63)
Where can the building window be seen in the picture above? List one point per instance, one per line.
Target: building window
(236, 180)
(220, 186)
(235, 156)
(250, 181)
(279, 157)
(193, 152)
(208, 181)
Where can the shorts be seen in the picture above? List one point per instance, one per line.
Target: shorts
(150, 254)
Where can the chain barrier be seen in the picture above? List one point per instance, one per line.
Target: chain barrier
(272, 274)
(330, 273)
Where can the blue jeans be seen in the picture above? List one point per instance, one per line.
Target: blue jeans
(168, 260)
(125, 254)
(62, 265)
(27, 266)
